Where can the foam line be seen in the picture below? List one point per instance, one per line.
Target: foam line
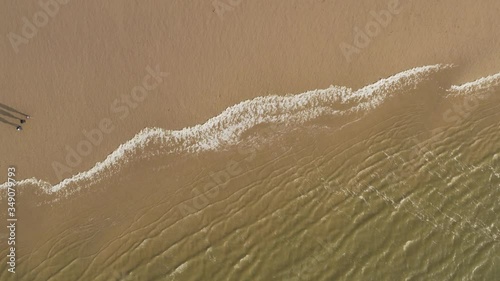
(226, 128)
(480, 86)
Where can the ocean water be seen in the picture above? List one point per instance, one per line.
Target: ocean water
(398, 180)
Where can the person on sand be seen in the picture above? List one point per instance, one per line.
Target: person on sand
(11, 112)
(19, 128)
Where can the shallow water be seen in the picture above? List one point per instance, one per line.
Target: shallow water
(405, 190)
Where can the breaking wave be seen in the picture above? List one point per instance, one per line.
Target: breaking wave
(227, 128)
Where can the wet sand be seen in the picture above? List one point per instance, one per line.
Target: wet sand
(90, 54)
(319, 202)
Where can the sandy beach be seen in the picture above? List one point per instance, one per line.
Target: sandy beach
(206, 152)
(90, 55)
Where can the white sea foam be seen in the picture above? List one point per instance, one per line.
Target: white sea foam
(480, 86)
(228, 127)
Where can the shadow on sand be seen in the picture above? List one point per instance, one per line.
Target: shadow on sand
(6, 107)
(11, 113)
(8, 114)
(7, 122)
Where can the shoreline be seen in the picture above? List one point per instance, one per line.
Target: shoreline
(90, 54)
(153, 135)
